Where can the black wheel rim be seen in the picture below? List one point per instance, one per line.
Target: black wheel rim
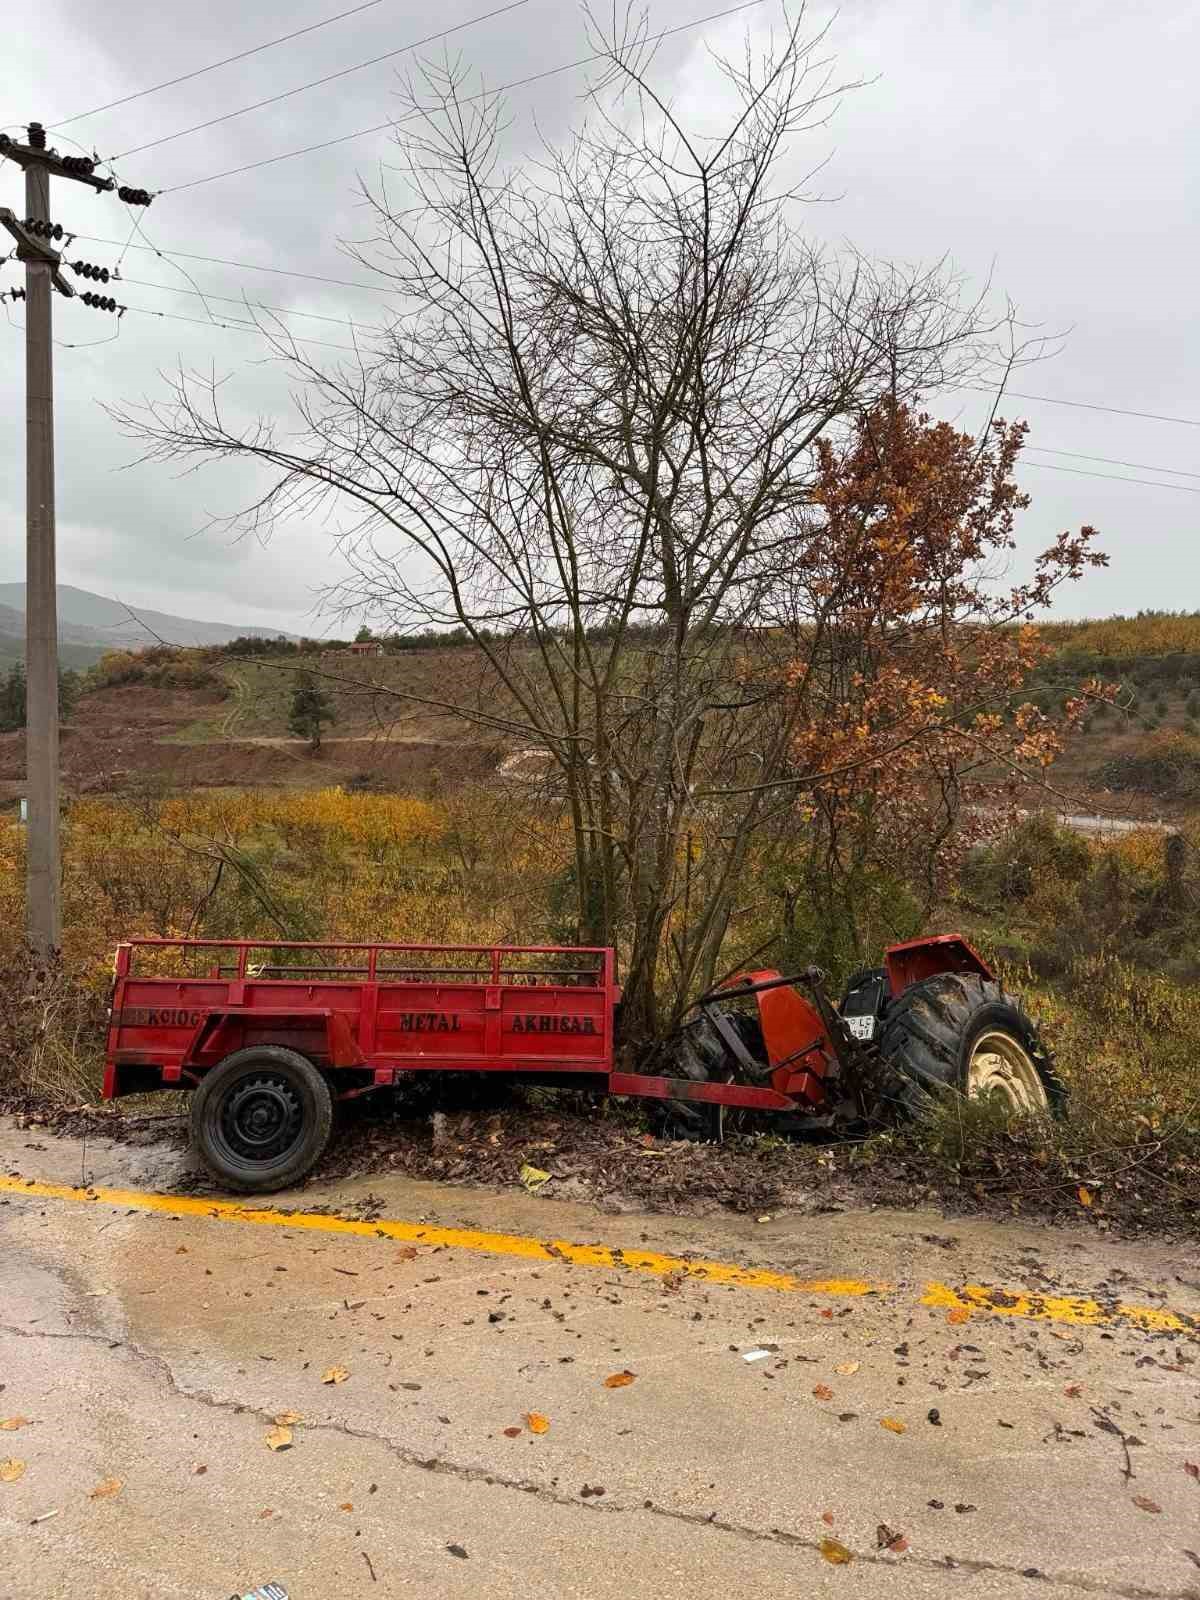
(260, 1118)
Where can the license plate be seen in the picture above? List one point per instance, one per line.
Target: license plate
(861, 1027)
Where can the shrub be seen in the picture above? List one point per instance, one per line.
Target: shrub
(51, 1033)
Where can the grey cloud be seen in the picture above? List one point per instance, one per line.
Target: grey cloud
(1049, 145)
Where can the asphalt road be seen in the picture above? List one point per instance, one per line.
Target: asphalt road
(954, 1441)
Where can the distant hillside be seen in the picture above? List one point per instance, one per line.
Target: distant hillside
(91, 620)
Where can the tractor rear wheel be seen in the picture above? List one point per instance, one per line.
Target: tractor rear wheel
(261, 1118)
(962, 1032)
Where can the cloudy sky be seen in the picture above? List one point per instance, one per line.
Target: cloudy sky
(1052, 146)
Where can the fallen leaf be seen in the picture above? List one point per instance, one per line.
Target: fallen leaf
(827, 1517)
(826, 1313)
(847, 1369)
(11, 1424)
(1192, 1557)
(287, 1419)
(199, 1471)
(513, 1433)
(1085, 1196)
(1191, 1468)
(835, 1551)
(181, 1250)
(11, 1469)
(409, 1253)
(1073, 1391)
(457, 1550)
(893, 1424)
(107, 1488)
(265, 1513)
(1144, 1503)
(346, 1505)
(822, 1391)
(280, 1438)
(334, 1375)
(888, 1539)
(534, 1178)
(765, 1218)
(619, 1380)
(959, 1315)
(536, 1422)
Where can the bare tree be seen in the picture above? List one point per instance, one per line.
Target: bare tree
(592, 436)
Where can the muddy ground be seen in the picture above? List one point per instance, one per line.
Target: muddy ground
(600, 1153)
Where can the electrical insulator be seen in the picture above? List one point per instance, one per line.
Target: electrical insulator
(44, 230)
(37, 136)
(79, 164)
(134, 197)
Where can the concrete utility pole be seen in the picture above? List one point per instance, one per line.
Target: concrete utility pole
(34, 239)
(43, 870)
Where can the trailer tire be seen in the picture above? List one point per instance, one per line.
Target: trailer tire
(962, 1032)
(261, 1119)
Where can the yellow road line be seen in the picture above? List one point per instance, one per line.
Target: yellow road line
(1072, 1310)
(1078, 1311)
(498, 1244)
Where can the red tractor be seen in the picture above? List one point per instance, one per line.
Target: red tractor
(270, 1036)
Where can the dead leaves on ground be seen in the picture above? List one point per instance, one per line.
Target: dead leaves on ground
(536, 1422)
(619, 1380)
(107, 1489)
(286, 1419)
(959, 1315)
(11, 1424)
(835, 1552)
(893, 1424)
(847, 1369)
(888, 1539)
(279, 1438)
(11, 1469)
(822, 1391)
(1144, 1503)
(335, 1375)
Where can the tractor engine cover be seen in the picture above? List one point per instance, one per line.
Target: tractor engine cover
(797, 1047)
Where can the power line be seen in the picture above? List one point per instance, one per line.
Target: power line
(268, 333)
(1112, 477)
(1083, 405)
(1138, 466)
(249, 266)
(242, 55)
(518, 83)
(330, 77)
(239, 327)
(282, 311)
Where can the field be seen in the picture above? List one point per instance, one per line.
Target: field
(192, 811)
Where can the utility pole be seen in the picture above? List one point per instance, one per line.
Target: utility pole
(34, 239)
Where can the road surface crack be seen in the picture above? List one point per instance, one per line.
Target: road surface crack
(539, 1491)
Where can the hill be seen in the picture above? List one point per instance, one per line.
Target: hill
(93, 623)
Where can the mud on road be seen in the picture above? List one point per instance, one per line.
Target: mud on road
(453, 1424)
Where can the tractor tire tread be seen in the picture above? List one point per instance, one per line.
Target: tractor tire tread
(928, 1034)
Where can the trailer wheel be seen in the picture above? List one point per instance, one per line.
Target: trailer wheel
(958, 1031)
(261, 1118)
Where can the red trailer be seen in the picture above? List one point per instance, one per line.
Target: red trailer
(270, 1035)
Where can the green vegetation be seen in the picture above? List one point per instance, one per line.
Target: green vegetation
(310, 710)
(13, 693)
